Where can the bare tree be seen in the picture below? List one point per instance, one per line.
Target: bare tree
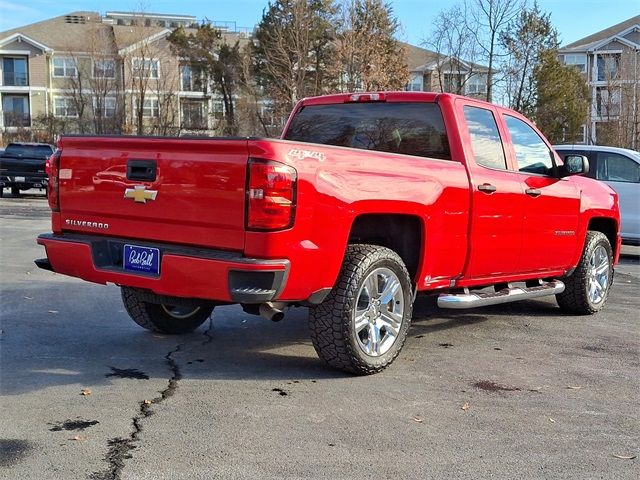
(105, 82)
(368, 56)
(455, 46)
(490, 17)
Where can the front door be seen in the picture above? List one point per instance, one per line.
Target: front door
(551, 205)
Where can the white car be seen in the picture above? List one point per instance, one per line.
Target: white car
(620, 169)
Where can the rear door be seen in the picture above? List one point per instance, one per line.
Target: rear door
(622, 173)
(551, 205)
(496, 220)
(188, 191)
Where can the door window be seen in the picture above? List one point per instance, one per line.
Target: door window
(485, 138)
(613, 167)
(532, 154)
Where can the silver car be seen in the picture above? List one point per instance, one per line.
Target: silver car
(620, 169)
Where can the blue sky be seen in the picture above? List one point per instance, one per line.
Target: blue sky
(574, 19)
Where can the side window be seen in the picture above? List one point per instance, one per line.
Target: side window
(532, 154)
(485, 138)
(613, 167)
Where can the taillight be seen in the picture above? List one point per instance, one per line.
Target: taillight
(271, 195)
(52, 168)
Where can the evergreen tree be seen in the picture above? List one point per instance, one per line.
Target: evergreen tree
(562, 100)
(526, 38)
(294, 42)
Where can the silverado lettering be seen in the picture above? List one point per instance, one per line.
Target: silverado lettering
(412, 193)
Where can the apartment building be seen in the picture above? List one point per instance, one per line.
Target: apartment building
(433, 72)
(102, 73)
(116, 73)
(610, 62)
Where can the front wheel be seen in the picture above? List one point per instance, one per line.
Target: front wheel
(163, 318)
(587, 288)
(362, 325)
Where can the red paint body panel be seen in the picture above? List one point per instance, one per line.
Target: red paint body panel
(469, 237)
(200, 185)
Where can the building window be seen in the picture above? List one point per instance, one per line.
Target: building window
(104, 68)
(108, 109)
(64, 67)
(193, 115)
(453, 82)
(15, 110)
(576, 60)
(476, 85)
(65, 107)
(415, 83)
(14, 72)
(146, 68)
(191, 79)
(150, 108)
(607, 102)
(608, 67)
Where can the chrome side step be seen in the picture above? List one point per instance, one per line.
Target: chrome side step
(509, 294)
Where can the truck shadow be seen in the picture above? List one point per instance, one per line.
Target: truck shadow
(59, 333)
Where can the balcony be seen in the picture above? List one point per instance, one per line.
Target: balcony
(16, 119)
(11, 79)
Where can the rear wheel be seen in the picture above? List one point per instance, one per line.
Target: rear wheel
(163, 318)
(15, 191)
(587, 288)
(362, 325)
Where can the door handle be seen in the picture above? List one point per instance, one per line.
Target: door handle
(141, 170)
(487, 188)
(533, 192)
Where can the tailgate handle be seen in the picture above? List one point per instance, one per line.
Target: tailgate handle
(141, 170)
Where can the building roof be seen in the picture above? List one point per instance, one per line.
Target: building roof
(421, 59)
(86, 32)
(593, 39)
(73, 32)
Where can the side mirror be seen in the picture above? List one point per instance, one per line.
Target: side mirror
(574, 165)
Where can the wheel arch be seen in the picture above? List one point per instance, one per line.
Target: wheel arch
(607, 226)
(402, 233)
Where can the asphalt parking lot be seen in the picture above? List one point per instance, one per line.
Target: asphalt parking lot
(516, 391)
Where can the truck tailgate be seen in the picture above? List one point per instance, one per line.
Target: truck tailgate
(195, 196)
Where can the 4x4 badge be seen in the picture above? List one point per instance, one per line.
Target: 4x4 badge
(140, 194)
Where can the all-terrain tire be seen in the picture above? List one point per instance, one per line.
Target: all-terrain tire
(159, 318)
(581, 295)
(332, 323)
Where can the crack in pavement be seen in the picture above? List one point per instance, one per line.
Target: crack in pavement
(120, 447)
(207, 332)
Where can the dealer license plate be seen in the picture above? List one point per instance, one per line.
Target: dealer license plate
(141, 259)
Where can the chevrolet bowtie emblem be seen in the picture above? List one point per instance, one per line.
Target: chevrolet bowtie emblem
(140, 194)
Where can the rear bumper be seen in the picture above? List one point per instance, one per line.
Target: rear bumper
(23, 181)
(188, 272)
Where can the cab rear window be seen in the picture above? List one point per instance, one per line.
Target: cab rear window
(34, 151)
(405, 128)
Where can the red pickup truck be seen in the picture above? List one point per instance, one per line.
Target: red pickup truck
(365, 201)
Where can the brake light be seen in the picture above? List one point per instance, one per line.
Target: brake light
(52, 168)
(366, 97)
(271, 195)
